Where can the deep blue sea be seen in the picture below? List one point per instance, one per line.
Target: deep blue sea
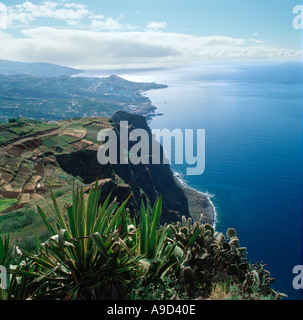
(253, 115)
(253, 119)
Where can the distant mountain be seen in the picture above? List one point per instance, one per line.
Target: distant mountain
(35, 69)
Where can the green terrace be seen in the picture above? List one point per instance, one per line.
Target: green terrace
(16, 129)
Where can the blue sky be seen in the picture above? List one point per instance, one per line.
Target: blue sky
(149, 33)
(271, 19)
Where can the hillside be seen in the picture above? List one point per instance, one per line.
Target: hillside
(36, 156)
(170, 256)
(57, 98)
(8, 67)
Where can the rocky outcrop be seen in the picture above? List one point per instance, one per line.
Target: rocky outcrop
(142, 181)
(153, 179)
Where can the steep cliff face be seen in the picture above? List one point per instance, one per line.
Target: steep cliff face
(153, 179)
(142, 181)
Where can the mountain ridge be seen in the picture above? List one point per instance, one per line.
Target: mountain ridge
(9, 67)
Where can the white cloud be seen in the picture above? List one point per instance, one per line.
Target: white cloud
(73, 14)
(23, 14)
(72, 22)
(106, 24)
(98, 16)
(129, 49)
(155, 25)
(75, 5)
(109, 43)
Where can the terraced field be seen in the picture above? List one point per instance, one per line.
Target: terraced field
(28, 152)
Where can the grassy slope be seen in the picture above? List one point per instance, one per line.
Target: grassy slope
(20, 169)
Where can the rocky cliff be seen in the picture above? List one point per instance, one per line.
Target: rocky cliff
(37, 156)
(142, 181)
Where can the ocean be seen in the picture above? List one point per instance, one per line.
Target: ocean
(252, 115)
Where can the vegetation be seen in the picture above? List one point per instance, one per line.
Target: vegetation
(28, 167)
(22, 128)
(5, 203)
(65, 97)
(17, 220)
(98, 251)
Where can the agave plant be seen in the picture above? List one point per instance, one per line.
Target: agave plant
(85, 257)
(158, 250)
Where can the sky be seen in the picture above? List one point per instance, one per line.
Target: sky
(122, 34)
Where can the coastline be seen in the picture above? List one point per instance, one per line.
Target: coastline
(198, 203)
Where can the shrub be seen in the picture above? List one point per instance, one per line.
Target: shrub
(17, 220)
(97, 251)
(86, 256)
(13, 120)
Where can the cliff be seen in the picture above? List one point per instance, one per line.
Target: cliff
(153, 179)
(41, 155)
(142, 181)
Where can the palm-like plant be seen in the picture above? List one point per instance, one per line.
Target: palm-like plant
(85, 257)
(158, 250)
(96, 250)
